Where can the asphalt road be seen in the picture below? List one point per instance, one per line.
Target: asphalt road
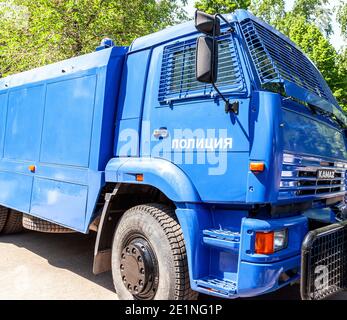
(59, 266)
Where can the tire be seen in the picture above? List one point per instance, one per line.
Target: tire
(152, 235)
(13, 223)
(3, 217)
(37, 224)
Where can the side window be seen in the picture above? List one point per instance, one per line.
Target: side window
(177, 80)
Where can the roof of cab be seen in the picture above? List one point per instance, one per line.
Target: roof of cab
(188, 28)
(167, 34)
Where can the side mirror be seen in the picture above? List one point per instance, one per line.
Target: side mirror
(207, 23)
(206, 60)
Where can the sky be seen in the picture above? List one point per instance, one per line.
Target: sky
(336, 39)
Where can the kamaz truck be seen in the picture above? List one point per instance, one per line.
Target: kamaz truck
(209, 157)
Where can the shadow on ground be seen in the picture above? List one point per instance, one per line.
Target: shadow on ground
(74, 252)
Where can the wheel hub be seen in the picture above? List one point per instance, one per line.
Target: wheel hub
(139, 268)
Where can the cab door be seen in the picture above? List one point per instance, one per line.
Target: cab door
(185, 122)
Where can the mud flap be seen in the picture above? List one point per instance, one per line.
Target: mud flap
(324, 262)
(102, 252)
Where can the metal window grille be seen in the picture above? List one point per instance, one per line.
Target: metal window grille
(178, 81)
(276, 59)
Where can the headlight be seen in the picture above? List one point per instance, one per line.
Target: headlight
(270, 242)
(280, 239)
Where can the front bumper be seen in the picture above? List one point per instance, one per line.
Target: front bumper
(324, 262)
(221, 252)
(259, 273)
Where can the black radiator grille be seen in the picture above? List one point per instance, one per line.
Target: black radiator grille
(300, 178)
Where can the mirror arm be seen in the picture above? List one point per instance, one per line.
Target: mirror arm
(228, 106)
(227, 103)
(218, 15)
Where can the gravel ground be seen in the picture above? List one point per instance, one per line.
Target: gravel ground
(55, 266)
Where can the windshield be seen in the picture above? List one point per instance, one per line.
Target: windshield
(304, 135)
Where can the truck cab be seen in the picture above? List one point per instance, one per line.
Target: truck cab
(219, 148)
(264, 170)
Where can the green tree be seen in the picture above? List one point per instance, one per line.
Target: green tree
(52, 30)
(271, 11)
(342, 18)
(341, 85)
(221, 6)
(315, 11)
(341, 92)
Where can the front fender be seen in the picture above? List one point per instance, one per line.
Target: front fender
(159, 173)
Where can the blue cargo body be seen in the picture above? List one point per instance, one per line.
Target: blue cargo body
(90, 142)
(59, 118)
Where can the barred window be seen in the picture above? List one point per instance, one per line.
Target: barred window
(178, 80)
(276, 60)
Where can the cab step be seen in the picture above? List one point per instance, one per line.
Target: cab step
(222, 238)
(218, 287)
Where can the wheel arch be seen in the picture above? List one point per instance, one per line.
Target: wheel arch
(163, 182)
(115, 200)
(159, 173)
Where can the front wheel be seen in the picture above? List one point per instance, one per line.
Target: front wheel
(149, 258)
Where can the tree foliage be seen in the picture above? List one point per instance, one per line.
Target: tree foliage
(271, 11)
(341, 85)
(37, 32)
(315, 11)
(221, 6)
(342, 18)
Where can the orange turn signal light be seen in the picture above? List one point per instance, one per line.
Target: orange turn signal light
(264, 242)
(32, 168)
(139, 177)
(257, 166)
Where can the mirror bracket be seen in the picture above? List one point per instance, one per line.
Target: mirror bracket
(232, 107)
(207, 24)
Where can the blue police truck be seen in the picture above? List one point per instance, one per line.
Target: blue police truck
(208, 157)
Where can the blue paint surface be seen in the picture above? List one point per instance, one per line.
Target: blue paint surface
(70, 114)
(59, 201)
(16, 190)
(17, 138)
(73, 121)
(59, 118)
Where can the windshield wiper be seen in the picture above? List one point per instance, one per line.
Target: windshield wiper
(332, 117)
(316, 110)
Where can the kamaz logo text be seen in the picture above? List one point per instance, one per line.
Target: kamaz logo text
(325, 174)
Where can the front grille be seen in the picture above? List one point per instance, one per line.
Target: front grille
(324, 262)
(300, 178)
